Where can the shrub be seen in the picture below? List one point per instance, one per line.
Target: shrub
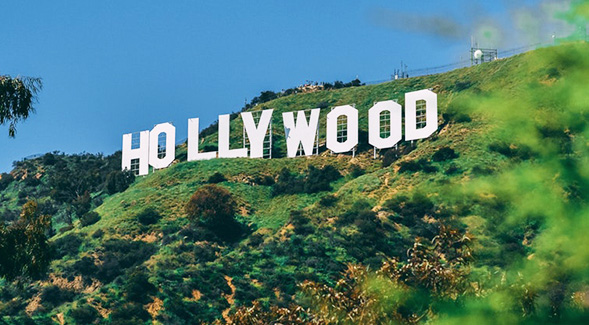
(287, 183)
(323, 105)
(82, 203)
(211, 204)
(444, 153)
(417, 165)
(393, 154)
(328, 200)
(89, 218)
(98, 233)
(118, 181)
(49, 159)
(301, 223)
(84, 314)
(85, 266)
(356, 171)
(482, 170)
(138, 288)
(5, 180)
(66, 245)
(65, 229)
(512, 151)
(411, 210)
(129, 314)
(418, 205)
(54, 296)
(452, 170)
(265, 180)
(216, 178)
(357, 208)
(457, 113)
(214, 207)
(148, 216)
(119, 255)
(319, 179)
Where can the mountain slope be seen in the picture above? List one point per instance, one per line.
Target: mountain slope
(515, 180)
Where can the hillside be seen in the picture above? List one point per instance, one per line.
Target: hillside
(507, 170)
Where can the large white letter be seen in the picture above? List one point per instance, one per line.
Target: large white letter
(141, 153)
(301, 132)
(431, 116)
(170, 131)
(257, 135)
(374, 124)
(352, 129)
(224, 130)
(193, 153)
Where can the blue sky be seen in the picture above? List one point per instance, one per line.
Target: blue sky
(114, 67)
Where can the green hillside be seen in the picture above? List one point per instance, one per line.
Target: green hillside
(503, 185)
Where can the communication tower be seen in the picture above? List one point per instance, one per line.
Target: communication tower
(480, 55)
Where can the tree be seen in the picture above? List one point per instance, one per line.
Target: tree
(214, 208)
(17, 96)
(24, 247)
(118, 181)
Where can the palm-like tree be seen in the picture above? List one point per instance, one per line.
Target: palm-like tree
(17, 97)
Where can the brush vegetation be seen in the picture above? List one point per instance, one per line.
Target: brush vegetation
(485, 221)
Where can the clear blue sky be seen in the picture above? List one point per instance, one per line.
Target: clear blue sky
(114, 67)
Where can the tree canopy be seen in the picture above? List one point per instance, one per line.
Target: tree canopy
(17, 97)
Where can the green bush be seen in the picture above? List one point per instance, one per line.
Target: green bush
(5, 180)
(356, 171)
(301, 223)
(54, 296)
(417, 165)
(119, 255)
(118, 181)
(511, 151)
(148, 216)
(328, 200)
(129, 314)
(84, 314)
(319, 180)
(216, 178)
(98, 233)
(287, 183)
(82, 203)
(265, 180)
(316, 180)
(137, 287)
(214, 208)
(89, 218)
(85, 266)
(444, 153)
(393, 154)
(66, 245)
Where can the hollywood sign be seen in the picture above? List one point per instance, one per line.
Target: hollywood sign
(300, 133)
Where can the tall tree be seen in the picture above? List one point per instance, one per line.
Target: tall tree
(24, 246)
(17, 97)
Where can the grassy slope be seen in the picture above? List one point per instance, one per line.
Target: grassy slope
(168, 190)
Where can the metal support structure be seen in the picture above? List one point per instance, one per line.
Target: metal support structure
(481, 55)
(135, 140)
(161, 145)
(421, 109)
(135, 166)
